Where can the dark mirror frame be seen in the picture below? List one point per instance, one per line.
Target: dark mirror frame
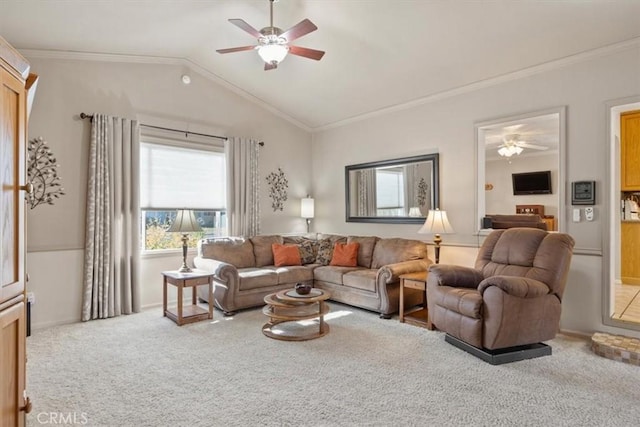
(434, 158)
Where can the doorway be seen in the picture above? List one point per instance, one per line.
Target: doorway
(621, 291)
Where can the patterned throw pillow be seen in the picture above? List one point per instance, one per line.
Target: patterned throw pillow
(325, 251)
(307, 252)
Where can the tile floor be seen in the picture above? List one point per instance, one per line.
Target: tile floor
(627, 306)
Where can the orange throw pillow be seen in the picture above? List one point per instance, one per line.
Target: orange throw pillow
(345, 254)
(285, 255)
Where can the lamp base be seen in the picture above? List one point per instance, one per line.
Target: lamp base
(437, 240)
(185, 269)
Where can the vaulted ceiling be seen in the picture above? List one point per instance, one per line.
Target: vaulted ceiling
(380, 54)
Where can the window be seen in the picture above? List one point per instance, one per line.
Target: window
(390, 192)
(180, 175)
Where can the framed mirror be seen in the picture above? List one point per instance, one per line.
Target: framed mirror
(521, 168)
(399, 191)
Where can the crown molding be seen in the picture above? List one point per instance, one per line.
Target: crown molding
(164, 60)
(493, 81)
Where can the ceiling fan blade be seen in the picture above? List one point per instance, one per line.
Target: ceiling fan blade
(531, 146)
(302, 28)
(235, 49)
(268, 67)
(240, 23)
(306, 52)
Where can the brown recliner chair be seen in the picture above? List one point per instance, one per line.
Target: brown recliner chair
(502, 310)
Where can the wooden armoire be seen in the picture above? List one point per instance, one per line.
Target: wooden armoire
(16, 88)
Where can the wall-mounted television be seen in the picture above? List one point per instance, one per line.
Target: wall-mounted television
(531, 183)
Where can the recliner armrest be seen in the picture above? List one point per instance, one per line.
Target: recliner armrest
(454, 275)
(522, 287)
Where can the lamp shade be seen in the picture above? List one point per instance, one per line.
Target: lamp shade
(436, 223)
(415, 211)
(185, 222)
(273, 53)
(307, 207)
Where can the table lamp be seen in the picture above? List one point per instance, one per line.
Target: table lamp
(184, 223)
(437, 223)
(307, 209)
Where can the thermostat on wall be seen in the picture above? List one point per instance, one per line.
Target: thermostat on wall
(583, 193)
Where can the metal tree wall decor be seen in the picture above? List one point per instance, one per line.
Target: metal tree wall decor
(278, 186)
(42, 174)
(423, 187)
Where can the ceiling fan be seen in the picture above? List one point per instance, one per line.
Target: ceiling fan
(273, 43)
(512, 144)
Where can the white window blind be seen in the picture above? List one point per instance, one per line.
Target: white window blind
(390, 189)
(178, 177)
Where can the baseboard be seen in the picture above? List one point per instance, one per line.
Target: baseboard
(504, 355)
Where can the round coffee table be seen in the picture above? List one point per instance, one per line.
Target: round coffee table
(294, 317)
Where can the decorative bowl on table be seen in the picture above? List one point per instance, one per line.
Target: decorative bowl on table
(303, 288)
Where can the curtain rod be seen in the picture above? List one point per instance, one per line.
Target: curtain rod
(186, 132)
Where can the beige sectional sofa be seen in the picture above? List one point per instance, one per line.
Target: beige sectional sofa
(244, 271)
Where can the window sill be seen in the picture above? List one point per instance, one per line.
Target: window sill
(166, 253)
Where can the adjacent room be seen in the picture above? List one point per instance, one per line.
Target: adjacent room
(319, 213)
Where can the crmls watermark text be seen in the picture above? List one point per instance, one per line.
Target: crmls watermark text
(62, 418)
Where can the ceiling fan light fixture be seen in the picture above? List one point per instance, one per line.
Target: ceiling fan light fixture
(271, 53)
(510, 150)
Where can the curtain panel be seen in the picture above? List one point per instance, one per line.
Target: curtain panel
(112, 228)
(243, 186)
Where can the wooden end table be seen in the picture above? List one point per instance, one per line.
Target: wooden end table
(288, 307)
(192, 313)
(417, 316)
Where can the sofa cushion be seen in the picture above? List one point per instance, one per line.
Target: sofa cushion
(237, 253)
(361, 279)
(253, 278)
(262, 249)
(285, 255)
(294, 274)
(333, 237)
(345, 254)
(365, 253)
(394, 250)
(332, 274)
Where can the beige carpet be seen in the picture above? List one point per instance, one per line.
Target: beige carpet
(143, 370)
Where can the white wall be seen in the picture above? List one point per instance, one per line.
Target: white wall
(67, 87)
(446, 125)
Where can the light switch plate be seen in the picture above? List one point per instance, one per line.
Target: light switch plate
(576, 215)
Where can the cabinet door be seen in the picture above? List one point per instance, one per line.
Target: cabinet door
(630, 151)
(12, 175)
(12, 238)
(630, 252)
(12, 364)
